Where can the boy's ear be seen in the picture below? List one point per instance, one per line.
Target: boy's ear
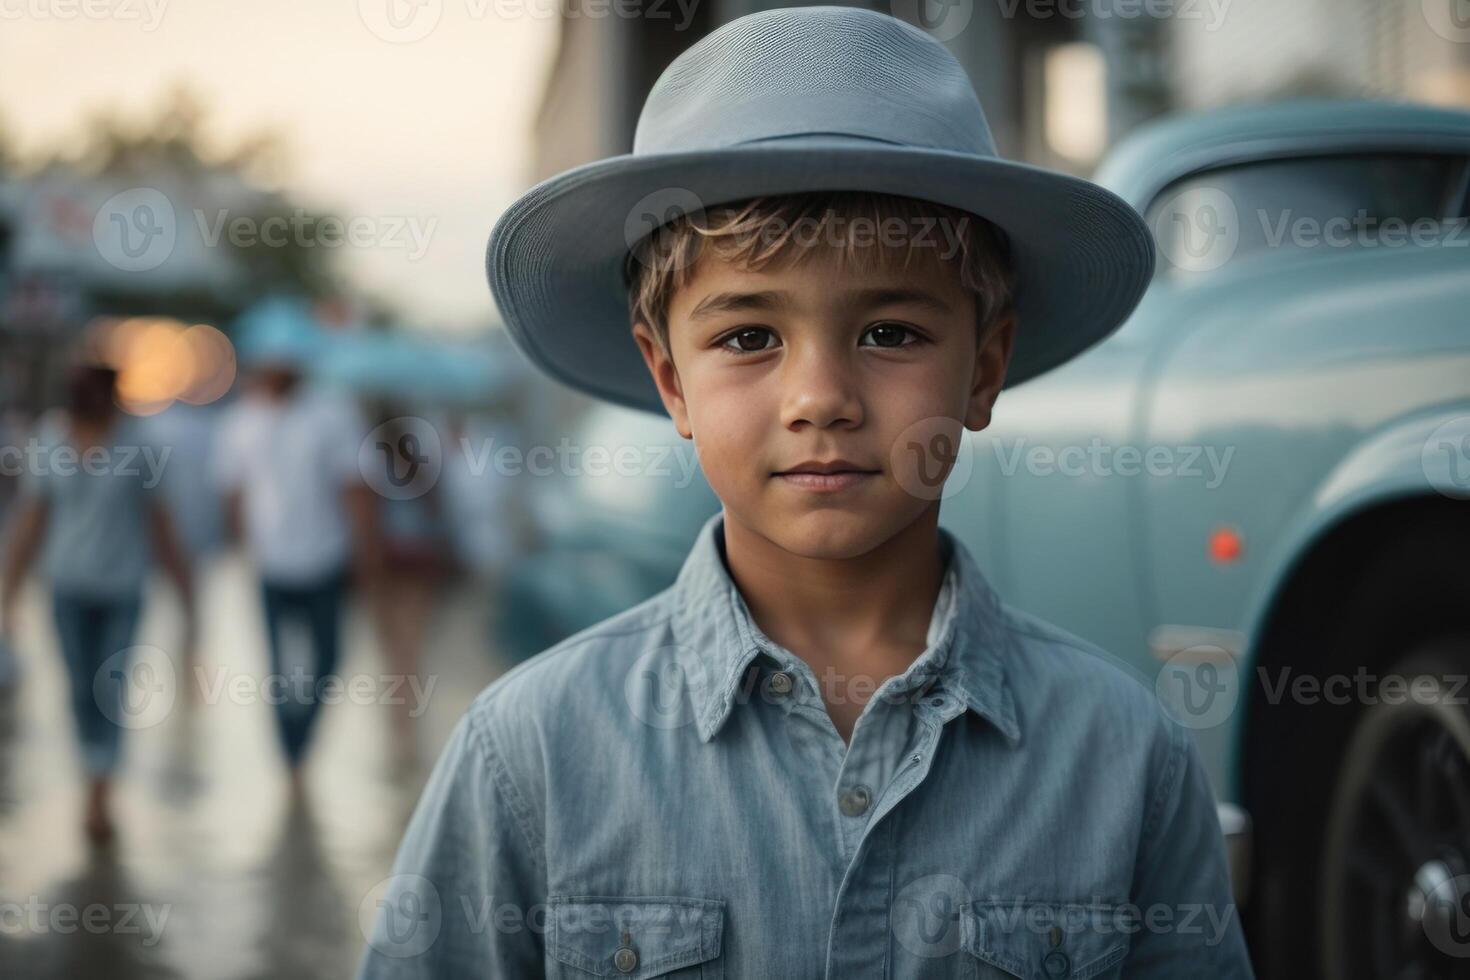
(665, 376)
(992, 358)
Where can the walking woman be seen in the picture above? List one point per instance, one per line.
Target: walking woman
(88, 509)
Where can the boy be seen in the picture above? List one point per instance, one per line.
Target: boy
(966, 791)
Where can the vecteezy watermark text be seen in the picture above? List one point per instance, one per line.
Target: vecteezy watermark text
(1098, 459)
(36, 917)
(304, 230)
(40, 459)
(148, 12)
(1211, 12)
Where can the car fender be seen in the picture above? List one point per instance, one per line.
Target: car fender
(1390, 465)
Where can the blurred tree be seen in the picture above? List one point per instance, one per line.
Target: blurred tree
(171, 144)
(7, 150)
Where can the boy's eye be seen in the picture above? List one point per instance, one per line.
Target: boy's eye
(746, 340)
(889, 334)
(752, 340)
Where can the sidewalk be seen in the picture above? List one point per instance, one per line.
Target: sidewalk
(215, 873)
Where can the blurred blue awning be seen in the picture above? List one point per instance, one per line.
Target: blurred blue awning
(405, 364)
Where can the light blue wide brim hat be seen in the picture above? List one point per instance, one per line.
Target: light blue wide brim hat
(792, 100)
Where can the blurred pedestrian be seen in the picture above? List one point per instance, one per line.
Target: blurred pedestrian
(286, 463)
(186, 432)
(13, 430)
(418, 555)
(89, 509)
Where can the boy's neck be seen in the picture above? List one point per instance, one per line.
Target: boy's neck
(865, 617)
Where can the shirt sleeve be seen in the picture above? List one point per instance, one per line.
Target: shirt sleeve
(226, 466)
(466, 894)
(1188, 923)
(40, 459)
(349, 430)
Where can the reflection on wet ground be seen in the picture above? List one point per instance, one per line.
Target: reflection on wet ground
(218, 869)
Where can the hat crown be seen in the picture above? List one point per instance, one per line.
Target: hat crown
(814, 72)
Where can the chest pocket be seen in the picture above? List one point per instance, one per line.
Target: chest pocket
(1044, 940)
(636, 938)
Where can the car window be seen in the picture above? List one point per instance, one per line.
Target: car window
(1308, 205)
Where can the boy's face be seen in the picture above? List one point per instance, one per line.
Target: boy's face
(774, 368)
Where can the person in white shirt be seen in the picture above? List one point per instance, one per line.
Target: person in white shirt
(286, 464)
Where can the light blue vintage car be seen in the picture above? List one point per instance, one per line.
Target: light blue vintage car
(1255, 491)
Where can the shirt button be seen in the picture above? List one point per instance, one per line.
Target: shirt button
(1056, 964)
(625, 959)
(855, 801)
(781, 682)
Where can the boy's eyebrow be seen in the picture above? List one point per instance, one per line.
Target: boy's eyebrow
(734, 303)
(892, 296)
(766, 301)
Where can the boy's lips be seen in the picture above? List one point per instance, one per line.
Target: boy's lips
(827, 466)
(825, 476)
(825, 482)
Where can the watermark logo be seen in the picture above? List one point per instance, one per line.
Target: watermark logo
(942, 19)
(401, 916)
(1442, 906)
(135, 230)
(401, 21)
(1198, 229)
(402, 458)
(1199, 686)
(926, 915)
(645, 229)
(655, 689)
(932, 459)
(136, 687)
(1446, 458)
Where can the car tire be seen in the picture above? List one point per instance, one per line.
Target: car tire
(1395, 881)
(1379, 600)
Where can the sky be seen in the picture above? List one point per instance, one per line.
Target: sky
(417, 110)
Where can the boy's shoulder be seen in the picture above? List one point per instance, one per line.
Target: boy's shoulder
(587, 671)
(1056, 676)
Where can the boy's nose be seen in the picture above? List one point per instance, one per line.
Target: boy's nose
(820, 388)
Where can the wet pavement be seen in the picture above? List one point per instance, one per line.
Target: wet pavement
(218, 870)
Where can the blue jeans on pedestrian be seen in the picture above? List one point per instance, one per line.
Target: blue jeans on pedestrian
(91, 630)
(316, 607)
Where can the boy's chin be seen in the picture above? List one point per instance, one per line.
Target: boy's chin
(833, 534)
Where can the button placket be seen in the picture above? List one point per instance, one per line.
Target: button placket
(912, 769)
(861, 778)
(855, 800)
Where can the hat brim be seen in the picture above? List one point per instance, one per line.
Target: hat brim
(1083, 256)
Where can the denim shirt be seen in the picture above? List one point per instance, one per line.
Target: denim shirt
(665, 795)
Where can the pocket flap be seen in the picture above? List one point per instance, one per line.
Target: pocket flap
(634, 937)
(1046, 940)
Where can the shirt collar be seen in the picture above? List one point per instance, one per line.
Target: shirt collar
(717, 639)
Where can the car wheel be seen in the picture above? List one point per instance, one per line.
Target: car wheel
(1395, 882)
